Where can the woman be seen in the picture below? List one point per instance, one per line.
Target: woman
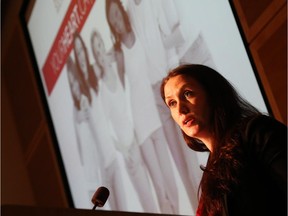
(85, 135)
(108, 164)
(246, 170)
(146, 120)
(114, 100)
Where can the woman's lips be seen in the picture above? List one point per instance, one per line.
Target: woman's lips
(188, 121)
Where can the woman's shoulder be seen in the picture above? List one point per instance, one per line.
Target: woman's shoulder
(263, 123)
(262, 134)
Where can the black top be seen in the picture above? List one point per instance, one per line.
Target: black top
(263, 185)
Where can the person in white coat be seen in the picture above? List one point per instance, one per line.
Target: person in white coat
(114, 99)
(106, 153)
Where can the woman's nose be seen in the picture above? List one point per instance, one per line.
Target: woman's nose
(183, 108)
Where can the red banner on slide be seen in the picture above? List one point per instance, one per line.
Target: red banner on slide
(74, 20)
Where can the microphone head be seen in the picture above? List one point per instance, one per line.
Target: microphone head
(100, 196)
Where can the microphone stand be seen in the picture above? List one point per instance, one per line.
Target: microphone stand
(95, 206)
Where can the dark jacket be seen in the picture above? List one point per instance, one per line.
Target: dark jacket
(263, 184)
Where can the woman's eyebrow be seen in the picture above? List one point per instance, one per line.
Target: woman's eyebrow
(167, 98)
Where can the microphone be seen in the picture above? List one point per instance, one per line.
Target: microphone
(100, 197)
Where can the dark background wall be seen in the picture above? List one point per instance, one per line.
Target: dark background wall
(30, 173)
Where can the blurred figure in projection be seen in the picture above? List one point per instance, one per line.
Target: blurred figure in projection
(151, 20)
(187, 37)
(115, 103)
(83, 126)
(106, 153)
(146, 120)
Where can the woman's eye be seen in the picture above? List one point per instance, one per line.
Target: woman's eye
(171, 103)
(188, 94)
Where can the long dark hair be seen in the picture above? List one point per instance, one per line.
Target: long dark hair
(228, 111)
(92, 79)
(116, 35)
(84, 88)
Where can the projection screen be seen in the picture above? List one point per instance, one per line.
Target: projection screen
(102, 92)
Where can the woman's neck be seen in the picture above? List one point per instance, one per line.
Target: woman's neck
(208, 139)
(208, 143)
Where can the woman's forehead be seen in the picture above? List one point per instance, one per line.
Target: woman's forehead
(180, 82)
(182, 79)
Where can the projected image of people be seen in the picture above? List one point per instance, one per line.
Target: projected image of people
(146, 119)
(81, 114)
(94, 139)
(114, 98)
(102, 64)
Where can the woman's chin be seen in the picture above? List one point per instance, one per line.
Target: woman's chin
(192, 131)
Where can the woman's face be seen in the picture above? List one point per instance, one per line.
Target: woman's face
(188, 105)
(80, 53)
(116, 19)
(99, 49)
